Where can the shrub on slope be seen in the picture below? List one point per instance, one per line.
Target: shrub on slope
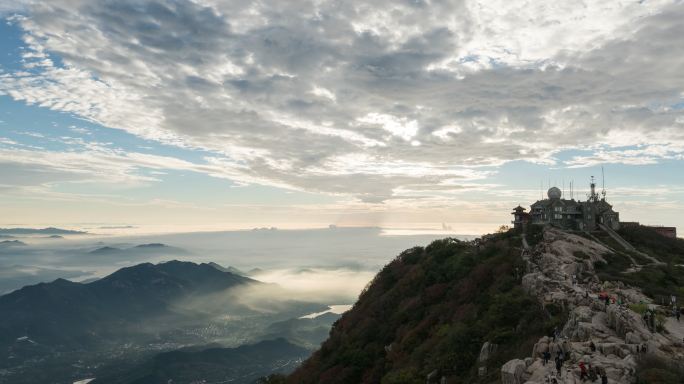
(432, 309)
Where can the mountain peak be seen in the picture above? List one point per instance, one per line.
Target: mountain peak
(473, 311)
(151, 245)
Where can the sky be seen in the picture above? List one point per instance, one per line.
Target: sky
(442, 115)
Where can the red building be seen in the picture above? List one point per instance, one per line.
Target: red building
(666, 231)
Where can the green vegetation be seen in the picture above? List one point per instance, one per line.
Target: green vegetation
(639, 308)
(534, 234)
(649, 241)
(656, 281)
(653, 370)
(432, 309)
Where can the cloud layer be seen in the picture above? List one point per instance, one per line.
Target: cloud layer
(376, 99)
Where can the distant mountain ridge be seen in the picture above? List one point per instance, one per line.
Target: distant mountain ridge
(228, 269)
(11, 243)
(142, 249)
(67, 313)
(40, 231)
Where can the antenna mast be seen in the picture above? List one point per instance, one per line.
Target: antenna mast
(603, 177)
(572, 195)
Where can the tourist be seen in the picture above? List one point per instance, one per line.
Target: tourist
(547, 357)
(679, 313)
(604, 378)
(559, 365)
(592, 373)
(592, 346)
(583, 371)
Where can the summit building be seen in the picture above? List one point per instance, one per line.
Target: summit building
(569, 214)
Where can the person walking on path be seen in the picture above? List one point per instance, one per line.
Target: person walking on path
(559, 365)
(583, 371)
(592, 373)
(604, 378)
(547, 357)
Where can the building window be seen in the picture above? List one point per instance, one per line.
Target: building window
(557, 216)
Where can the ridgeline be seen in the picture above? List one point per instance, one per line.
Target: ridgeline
(486, 311)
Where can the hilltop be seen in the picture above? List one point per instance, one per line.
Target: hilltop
(68, 313)
(11, 243)
(40, 231)
(482, 311)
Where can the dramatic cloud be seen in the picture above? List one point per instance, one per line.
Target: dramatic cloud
(377, 99)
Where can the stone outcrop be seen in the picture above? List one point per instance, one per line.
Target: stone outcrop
(486, 351)
(611, 337)
(513, 371)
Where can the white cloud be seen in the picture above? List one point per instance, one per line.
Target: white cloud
(401, 127)
(364, 98)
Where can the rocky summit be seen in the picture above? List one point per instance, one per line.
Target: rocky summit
(603, 331)
(538, 306)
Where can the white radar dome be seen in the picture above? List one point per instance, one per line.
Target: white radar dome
(554, 193)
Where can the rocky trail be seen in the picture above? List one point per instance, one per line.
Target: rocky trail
(610, 336)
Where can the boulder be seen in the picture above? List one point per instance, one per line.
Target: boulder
(539, 348)
(486, 351)
(633, 338)
(611, 349)
(513, 371)
(528, 361)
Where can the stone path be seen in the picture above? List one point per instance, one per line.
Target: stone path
(618, 333)
(676, 328)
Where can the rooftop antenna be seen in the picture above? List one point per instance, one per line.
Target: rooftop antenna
(563, 193)
(603, 177)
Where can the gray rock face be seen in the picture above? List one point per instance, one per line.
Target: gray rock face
(486, 351)
(605, 337)
(512, 372)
